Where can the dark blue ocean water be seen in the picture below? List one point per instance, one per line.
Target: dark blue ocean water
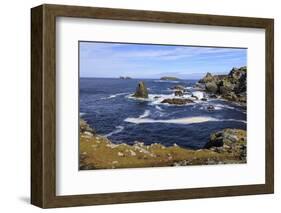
(107, 106)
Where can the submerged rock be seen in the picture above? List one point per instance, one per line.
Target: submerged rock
(177, 101)
(141, 91)
(210, 108)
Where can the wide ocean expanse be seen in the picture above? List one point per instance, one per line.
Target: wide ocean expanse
(106, 104)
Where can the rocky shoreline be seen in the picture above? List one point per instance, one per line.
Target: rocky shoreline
(231, 87)
(98, 152)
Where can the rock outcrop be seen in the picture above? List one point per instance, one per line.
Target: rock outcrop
(232, 87)
(141, 91)
(85, 127)
(229, 140)
(208, 77)
(211, 87)
(177, 101)
(179, 93)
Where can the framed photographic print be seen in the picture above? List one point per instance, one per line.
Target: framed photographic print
(136, 106)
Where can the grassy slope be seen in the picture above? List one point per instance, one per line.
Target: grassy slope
(97, 152)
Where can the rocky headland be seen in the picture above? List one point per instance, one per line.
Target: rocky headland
(98, 152)
(231, 87)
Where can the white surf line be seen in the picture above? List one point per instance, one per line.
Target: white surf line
(115, 95)
(118, 129)
(187, 120)
(234, 120)
(145, 114)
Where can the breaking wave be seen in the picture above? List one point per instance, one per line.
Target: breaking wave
(114, 96)
(145, 114)
(117, 130)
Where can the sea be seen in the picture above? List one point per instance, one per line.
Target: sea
(108, 107)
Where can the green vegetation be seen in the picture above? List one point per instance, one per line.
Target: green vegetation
(97, 152)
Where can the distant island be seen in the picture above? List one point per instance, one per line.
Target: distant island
(125, 77)
(169, 78)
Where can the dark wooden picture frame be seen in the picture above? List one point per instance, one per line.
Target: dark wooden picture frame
(43, 105)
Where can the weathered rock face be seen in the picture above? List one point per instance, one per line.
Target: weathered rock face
(85, 127)
(211, 87)
(178, 93)
(232, 87)
(141, 91)
(207, 78)
(225, 86)
(177, 101)
(229, 140)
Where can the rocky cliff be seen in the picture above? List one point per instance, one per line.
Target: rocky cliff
(232, 87)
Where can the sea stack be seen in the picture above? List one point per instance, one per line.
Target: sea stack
(141, 91)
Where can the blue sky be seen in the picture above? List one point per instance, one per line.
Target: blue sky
(154, 61)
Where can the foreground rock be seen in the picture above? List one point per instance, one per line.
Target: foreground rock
(229, 140)
(177, 101)
(232, 87)
(85, 127)
(97, 152)
(169, 78)
(141, 91)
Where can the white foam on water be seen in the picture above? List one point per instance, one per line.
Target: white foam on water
(220, 106)
(234, 120)
(166, 81)
(114, 96)
(117, 130)
(82, 114)
(185, 120)
(158, 108)
(199, 94)
(145, 114)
